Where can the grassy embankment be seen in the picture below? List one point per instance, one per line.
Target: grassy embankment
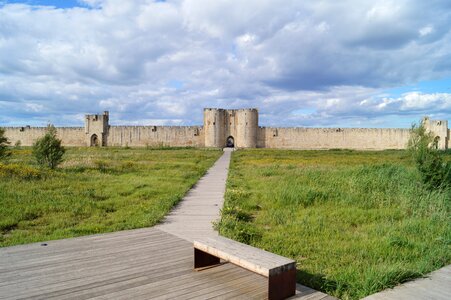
(95, 190)
(355, 222)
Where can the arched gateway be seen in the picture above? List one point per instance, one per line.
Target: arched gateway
(94, 140)
(230, 143)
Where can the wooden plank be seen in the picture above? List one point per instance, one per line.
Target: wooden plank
(90, 239)
(102, 278)
(138, 270)
(62, 247)
(93, 255)
(96, 272)
(111, 286)
(251, 258)
(247, 283)
(185, 282)
(99, 257)
(247, 251)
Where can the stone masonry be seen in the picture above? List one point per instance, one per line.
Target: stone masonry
(236, 128)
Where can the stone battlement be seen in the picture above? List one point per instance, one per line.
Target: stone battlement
(230, 128)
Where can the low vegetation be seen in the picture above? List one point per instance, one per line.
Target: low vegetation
(48, 150)
(94, 190)
(355, 222)
(435, 172)
(4, 152)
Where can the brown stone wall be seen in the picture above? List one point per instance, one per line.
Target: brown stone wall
(70, 136)
(333, 138)
(141, 136)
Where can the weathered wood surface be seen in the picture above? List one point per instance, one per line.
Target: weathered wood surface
(251, 258)
(192, 218)
(436, 286)
(134, 264)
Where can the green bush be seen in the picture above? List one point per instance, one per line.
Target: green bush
(48, 150)
(4, 153)
(435, 173)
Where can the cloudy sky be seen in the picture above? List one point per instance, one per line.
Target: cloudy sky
(347, 63)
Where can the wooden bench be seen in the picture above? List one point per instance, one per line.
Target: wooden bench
(281, 271)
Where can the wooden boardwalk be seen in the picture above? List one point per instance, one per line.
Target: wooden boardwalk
(134, 264)
(437, 286)
(192, 218)
(137, 264)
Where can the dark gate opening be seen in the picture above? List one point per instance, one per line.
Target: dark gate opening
(94, 140)
(230, 142)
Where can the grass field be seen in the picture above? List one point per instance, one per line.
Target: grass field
(355, 222)
(95, 190)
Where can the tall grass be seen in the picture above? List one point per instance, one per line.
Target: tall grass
(355, 222)
(95, 190)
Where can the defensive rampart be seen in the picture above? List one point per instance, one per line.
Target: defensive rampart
(70, 136)
(332, 138)
(230, 128)
(141, 136)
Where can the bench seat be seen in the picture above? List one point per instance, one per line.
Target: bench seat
(281, 271)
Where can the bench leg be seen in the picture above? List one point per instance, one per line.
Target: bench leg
(282, 285)
(203, 259)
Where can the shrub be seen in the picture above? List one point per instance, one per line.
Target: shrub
(435, 173)
(4, 153)
(48, 150)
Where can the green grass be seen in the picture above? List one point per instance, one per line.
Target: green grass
(355, 222)
(95, 190)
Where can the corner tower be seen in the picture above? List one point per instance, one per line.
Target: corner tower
(439, 129)
(96, 129)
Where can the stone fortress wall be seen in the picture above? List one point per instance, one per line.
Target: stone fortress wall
(229, 127)
(333, 138)
(70, 136)
(151, 136)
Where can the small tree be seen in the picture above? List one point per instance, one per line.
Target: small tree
(48, 150)
(435, 173)
(4, 153)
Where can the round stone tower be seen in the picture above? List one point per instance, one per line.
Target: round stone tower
(231, 127)
(214, 127)
(246, 128)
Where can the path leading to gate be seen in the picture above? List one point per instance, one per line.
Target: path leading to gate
(192, 218)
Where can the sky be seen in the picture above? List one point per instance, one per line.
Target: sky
(349, 63)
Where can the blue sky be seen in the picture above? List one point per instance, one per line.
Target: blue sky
(58, 4)
(318, 63)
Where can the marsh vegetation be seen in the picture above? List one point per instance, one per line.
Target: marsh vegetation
(355, 222)
(94, 190)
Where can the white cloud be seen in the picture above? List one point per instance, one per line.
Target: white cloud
(426, 30)
(334, 59)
